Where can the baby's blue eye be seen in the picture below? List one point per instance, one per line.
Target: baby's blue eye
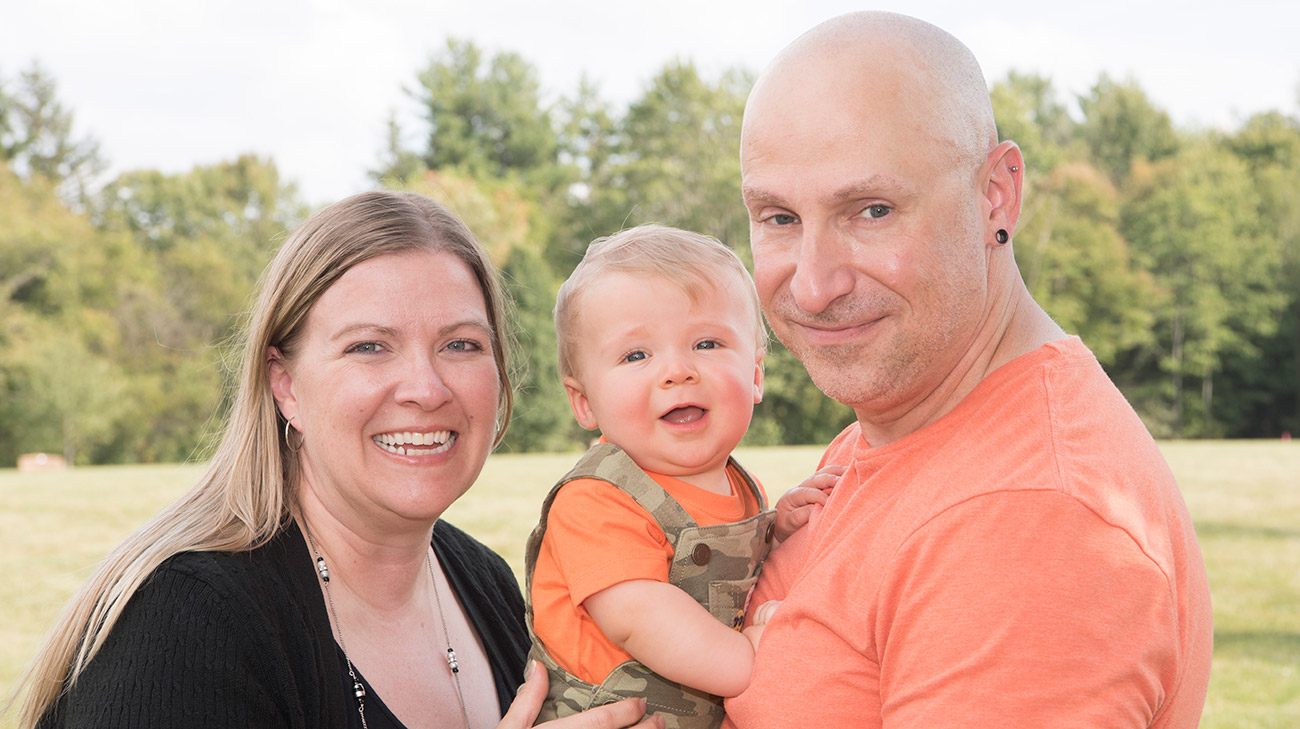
(708, 344)
(634, 356)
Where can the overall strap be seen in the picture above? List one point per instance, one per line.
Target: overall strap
(609, 463)
(733, 466)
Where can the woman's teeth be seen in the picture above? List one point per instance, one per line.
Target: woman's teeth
(416, 444)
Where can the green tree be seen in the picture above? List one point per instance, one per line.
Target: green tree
(1121, 126)
(61, 283)
(1028, 111)
(1194, 222)
(485, 116)
(37, 140)
(589, 143)
(399, 163)
(1264, 390)
(208, 234)
(1078, 266)
(676, 160)
(213, 229)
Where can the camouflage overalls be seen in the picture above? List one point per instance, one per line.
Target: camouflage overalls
(715, 565)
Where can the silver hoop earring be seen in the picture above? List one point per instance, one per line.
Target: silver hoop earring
(288, 443)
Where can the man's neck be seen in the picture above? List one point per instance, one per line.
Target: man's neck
(1020, 326)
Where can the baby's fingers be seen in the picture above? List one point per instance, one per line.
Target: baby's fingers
(825, 478)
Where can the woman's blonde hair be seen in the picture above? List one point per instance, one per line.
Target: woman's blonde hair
(249, 489)
(693, 262)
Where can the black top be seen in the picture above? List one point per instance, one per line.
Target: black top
(225, 640)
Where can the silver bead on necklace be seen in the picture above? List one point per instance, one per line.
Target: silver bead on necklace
(358, 689)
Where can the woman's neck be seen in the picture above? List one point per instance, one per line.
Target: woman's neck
(382, 571)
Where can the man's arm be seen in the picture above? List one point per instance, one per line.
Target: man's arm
(1026, 609)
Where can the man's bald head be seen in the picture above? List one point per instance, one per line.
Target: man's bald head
(919, 72)
(880, 206)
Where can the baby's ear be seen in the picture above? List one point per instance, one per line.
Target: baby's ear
(758, 378)
(579, 404)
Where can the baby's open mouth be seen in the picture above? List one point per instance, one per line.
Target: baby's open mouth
(683, 415)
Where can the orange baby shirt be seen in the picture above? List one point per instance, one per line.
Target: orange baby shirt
(596, 537)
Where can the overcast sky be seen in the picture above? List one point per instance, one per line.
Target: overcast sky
(168, 84)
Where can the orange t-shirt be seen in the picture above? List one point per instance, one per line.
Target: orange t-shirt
(596, 537)
(1025, 560)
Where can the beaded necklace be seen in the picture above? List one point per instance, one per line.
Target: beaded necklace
(359, 690)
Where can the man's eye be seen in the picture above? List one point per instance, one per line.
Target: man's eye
(784, 219)
(877, 211)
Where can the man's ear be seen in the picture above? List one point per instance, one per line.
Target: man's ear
(1004, 176)
(281, 383)
(579, 404)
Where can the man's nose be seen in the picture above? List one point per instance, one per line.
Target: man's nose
(823, 270)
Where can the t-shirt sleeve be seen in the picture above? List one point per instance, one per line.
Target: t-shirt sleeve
(600, 536)
(183, 653)
(1026, 605)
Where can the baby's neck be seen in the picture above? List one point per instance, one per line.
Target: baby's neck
(714, 480)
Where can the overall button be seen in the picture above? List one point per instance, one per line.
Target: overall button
(701, 554)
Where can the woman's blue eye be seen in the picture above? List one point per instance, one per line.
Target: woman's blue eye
(364, 348)
(464, 345)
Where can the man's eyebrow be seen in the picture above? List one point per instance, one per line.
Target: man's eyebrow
(752, 194)
(873, 185)
(865, 187)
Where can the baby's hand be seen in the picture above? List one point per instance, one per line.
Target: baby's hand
(762, 614)
(797, 506)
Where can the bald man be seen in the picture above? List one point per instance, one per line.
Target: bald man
(1008, 547)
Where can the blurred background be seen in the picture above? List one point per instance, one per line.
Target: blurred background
(153, 154)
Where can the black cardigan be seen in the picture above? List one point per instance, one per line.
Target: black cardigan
(226, 640)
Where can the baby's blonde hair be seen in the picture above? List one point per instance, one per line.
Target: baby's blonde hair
(691, 261)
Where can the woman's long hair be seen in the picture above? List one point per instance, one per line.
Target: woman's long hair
(249, 489)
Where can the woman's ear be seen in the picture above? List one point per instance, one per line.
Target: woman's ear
(1003, 181)
(281, 383)
(579, 404)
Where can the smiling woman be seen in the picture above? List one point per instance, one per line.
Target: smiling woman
(307, 580)
(398, 353)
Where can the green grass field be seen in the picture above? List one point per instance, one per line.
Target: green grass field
(1244, 497)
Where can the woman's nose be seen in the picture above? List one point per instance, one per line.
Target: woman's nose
(422, 386)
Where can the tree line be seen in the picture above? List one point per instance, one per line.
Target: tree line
(1173, 253)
